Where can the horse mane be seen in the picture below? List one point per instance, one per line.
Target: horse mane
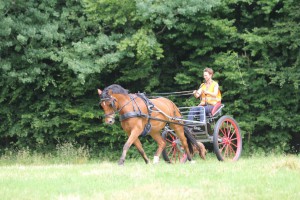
(115, 89)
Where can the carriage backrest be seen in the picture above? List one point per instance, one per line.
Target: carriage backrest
(217, 109)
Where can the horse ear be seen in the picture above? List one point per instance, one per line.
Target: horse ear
(110, 92)
(99, 92)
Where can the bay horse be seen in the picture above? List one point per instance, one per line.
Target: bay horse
(138, 119)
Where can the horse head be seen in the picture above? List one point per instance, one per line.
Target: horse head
(109, 107)
(109, 103)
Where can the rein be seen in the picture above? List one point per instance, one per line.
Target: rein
(170, 94)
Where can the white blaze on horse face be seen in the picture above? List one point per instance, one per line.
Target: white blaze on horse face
(109, 113)
(110, 119)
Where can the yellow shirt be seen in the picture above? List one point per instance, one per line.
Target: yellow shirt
(207, 98)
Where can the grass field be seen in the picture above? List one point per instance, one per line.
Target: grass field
(250, 178)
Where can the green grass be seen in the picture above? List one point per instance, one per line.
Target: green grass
(273, 177)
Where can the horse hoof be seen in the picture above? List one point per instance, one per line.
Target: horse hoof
(192, 162)
(202, 153)
(121, 162)
(202, 156)
(155, 160)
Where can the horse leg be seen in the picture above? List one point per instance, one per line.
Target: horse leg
(161, 145)
(139, 147)
(132, 138)
(202, 153)
(180, 134)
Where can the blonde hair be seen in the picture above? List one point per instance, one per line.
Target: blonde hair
(209, 70)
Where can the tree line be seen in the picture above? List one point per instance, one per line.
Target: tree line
(54, 54)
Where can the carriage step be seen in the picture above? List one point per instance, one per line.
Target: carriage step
(199, 133)
(203, 138)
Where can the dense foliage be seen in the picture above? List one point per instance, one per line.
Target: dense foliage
(54, 54)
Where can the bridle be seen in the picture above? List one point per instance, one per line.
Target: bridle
(112, 101)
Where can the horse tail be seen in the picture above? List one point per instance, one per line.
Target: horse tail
(192, 142)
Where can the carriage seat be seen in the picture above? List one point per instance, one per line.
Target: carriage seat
(217, 109)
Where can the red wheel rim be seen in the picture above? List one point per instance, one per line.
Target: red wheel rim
(175, 151)
(229, 140)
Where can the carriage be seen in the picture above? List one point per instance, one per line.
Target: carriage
(178, 138)
(221, 130)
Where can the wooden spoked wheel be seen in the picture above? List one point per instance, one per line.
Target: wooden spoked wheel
(227, 139)
(174, 152)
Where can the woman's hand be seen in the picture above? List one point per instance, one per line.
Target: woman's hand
(197, 93)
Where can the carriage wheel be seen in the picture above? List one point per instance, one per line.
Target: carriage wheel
(174, 152)
(227, 139)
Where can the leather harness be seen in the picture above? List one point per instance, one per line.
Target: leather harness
(138, 113)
